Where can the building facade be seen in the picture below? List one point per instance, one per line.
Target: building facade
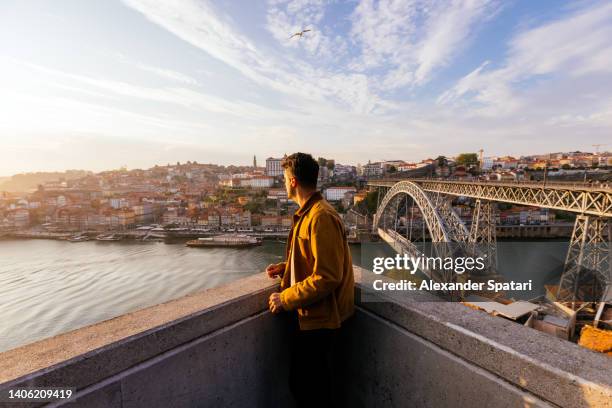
(273, 167)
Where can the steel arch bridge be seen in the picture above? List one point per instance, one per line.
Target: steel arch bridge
(577, 198)
(589, 251)
(431, 217)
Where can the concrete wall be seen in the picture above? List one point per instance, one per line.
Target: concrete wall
(395, 368)
(216, 348)
(222, 348)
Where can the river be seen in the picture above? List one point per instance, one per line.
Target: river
(49, 287)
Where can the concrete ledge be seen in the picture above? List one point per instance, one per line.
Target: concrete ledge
(222, 347)
(85, 356)
(556, 370)
(241, 365)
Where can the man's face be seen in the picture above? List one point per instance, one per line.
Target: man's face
(290, 183)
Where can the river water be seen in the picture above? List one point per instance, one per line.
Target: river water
(49, 287)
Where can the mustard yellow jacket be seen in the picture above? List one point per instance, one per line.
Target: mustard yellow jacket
(323, 292)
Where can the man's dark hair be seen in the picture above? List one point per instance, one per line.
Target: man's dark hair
(303, 167)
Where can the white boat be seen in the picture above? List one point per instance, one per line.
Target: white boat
(78, 238)
(108, 237)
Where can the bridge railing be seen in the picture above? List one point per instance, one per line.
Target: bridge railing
(605, 186)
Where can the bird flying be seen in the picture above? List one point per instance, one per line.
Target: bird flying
(300, 34)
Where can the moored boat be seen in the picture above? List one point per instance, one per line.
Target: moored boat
(78, 238)
(108, 237)
(226, 240)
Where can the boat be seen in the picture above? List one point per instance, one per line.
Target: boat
(225, 240)
(108, 237)
(78, 238)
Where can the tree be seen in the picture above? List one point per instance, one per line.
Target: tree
(441, 161)
(322, 162)
(254, 207)
(392, 169)
(467, 159)
(369, 203)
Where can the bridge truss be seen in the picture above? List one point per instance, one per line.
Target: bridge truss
(588, 257)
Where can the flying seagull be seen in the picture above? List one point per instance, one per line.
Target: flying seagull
(300, 34)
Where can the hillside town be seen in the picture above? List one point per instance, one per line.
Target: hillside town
(210, 197)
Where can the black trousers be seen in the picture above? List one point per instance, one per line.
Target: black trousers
(311, 373)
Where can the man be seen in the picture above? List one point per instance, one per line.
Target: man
(317, 284)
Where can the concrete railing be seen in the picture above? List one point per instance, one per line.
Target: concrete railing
(221, 347)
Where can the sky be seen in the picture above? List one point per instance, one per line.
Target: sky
(97, 85)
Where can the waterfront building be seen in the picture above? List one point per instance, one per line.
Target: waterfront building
(18, 218)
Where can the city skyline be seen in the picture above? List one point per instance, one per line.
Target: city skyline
(137, 83)
(261, 162)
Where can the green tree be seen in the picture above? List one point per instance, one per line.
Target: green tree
(392, 169)
(467, 159)
(371, 201)
(254, 207)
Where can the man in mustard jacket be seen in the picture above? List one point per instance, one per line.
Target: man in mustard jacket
(317, 284)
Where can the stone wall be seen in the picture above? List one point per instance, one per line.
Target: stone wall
(221, 347)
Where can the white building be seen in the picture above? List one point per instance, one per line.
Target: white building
(273, 167)
(258, 182)
(117, 203)
(337, 193)
(487, 163)
(61, 201)
(18, 218)
(341, 170)
(373, 169)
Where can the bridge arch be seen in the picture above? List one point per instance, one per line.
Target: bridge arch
(432, 218)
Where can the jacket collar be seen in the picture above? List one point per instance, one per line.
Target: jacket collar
(316, 196)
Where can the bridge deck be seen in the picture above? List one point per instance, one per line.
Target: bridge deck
(579, 198)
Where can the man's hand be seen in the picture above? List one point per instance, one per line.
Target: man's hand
(275, 270)
(275, 303)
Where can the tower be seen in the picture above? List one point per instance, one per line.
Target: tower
(254, 161)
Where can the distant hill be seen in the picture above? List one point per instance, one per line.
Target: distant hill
(30, 181)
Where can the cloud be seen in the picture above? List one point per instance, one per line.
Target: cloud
(286, 17)
(179, 96)
(202, 26)
(165, 73)
(573, 46)
(411, 39)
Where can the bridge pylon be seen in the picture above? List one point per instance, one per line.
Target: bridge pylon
(587, 274)
(482, 238)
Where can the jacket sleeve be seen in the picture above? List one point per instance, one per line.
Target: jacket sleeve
(327, 246)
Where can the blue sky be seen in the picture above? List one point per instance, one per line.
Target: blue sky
(100, 84)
